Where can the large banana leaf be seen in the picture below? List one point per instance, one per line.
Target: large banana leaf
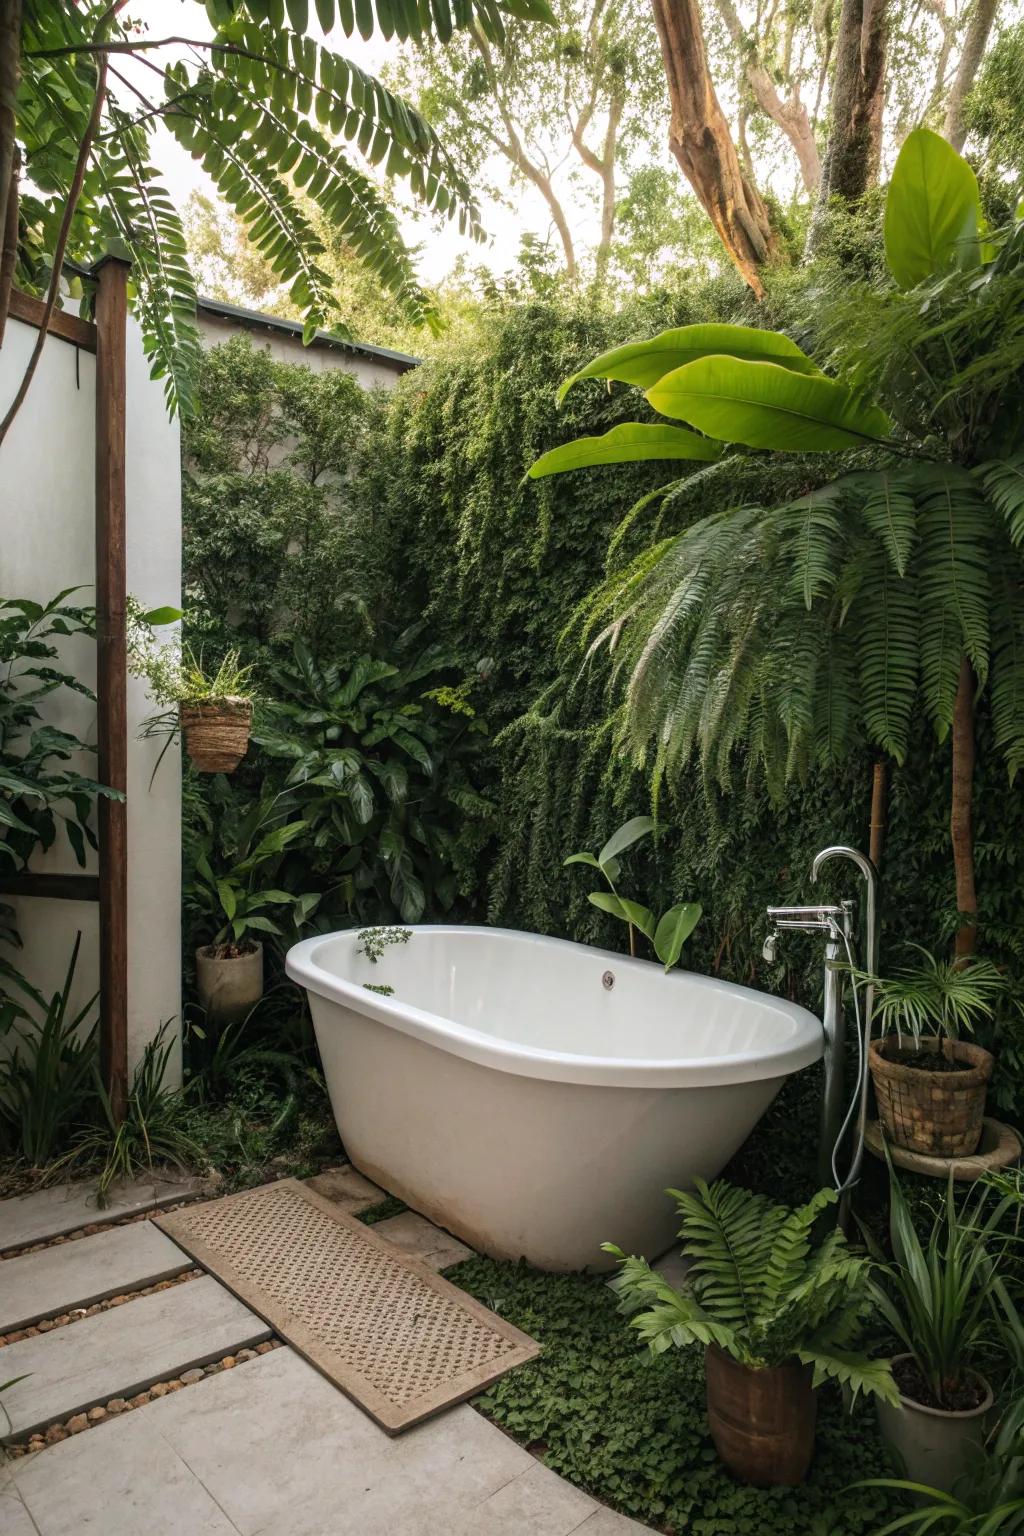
(627, 444)
(765, 406)
(645, 362)
(932, 211)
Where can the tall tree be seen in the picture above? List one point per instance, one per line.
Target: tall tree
(979, 26)
(701, 140)
(563, 109)
(765, 66)
(854, 147)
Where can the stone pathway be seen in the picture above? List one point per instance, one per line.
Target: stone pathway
(266, 1448)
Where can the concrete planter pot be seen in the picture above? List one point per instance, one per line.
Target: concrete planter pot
(762, 1422)
(229, 988)
(934, 1446)
(938, 1114)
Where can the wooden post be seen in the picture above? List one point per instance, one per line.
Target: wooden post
(112, 673)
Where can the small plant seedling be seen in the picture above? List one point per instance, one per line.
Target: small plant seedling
(382, 989)
(668, 933)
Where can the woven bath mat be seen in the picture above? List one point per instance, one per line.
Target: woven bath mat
(398, 1339)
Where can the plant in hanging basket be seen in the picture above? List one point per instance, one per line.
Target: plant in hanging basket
(215, 710)
(930, 1084)
(777, 1313)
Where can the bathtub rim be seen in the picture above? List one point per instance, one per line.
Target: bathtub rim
(802, 1050)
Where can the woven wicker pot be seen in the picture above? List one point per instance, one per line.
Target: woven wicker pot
(762, 1422)
(217, 734)
(937, 1113)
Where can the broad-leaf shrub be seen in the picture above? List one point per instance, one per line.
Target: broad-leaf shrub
(382, 775)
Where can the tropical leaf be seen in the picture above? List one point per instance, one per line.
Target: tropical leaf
(766, 406)
(953, 565)
(629, 833)
(626, 444)
(673, 930)
(1003, 480)
(887, 627)
(932, 210)
(645, 362)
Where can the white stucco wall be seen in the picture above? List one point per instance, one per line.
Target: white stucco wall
(286, 348)
(47, 542)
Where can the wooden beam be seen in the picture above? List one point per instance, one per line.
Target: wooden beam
(66, 327)
(55, 887)
(112, 673)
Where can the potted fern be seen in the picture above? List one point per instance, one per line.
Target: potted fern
(946, 1301)
(777, 1315)
(930, 1084)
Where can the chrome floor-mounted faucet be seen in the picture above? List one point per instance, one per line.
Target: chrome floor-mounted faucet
(838, 924)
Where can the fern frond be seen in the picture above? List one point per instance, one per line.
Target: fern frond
(787, 1258)
(885, 502)
(857, 1372)
(1007, 677)
(952, 567)
(1003, 480)
(888, 640)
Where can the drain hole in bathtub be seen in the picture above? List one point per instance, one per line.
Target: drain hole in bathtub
(608, 980)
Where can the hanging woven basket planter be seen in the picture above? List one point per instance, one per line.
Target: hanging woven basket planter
(216, 733)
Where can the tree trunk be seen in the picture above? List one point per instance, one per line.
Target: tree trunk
(855, 138)
(960, 828)
(10, 66)
(791, 116)
(978, 29)
(700, 139)
(879, 793)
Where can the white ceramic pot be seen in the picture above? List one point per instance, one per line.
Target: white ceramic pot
(229, 989)
(934, 1446)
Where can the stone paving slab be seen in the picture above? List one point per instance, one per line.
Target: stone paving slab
(47, 1213)
(536, 1503)
(271, 1449)
(56, 1280)
(119, 1352)
(419, 1238)
(347, 1188)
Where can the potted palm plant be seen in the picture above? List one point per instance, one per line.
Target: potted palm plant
(929, 1083)
(944, 1300)
(777, 1315)
(232, 903)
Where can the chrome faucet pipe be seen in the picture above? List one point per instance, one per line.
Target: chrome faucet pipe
(869, 874)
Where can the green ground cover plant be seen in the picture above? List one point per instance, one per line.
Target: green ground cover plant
(633, 1432)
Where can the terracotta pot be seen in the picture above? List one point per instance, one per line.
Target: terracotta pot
(937, 1113)
(229, 988)
(933, 1446)
(762, 1422)
(217, 734)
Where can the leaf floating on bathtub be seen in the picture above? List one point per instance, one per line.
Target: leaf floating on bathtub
(382, 989)
(674, 929)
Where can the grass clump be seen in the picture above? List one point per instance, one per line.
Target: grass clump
(633, 1432)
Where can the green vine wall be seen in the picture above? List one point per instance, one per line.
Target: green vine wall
(432, 520)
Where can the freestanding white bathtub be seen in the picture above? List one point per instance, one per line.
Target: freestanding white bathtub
(537, 1097)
